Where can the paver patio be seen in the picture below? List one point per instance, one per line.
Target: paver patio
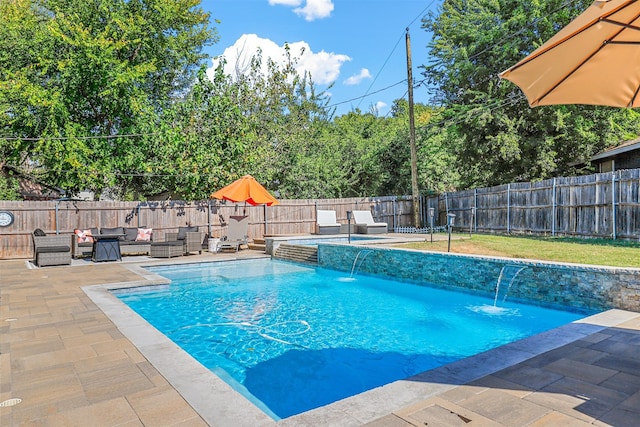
(72, 366)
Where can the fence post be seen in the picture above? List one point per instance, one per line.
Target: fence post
(613, 203)
(508, 208)
(553, 208)
(475, 207)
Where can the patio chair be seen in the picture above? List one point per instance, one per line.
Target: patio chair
(236, 233)
(185, 241)
(326, 222)
(51, 250)
(365, 223)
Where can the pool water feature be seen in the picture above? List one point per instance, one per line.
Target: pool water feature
(291, 338)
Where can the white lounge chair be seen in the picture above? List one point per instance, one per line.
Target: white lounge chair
(326, 222)
(236, 233)
(366, 225)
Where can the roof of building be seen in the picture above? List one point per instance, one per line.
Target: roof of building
(625, 147)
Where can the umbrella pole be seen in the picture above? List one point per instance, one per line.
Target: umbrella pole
(264, 208)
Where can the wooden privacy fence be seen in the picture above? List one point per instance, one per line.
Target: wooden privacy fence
(600, 205)
(288, 217)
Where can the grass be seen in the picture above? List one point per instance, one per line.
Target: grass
(615, 253)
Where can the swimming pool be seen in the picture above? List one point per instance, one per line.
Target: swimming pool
(292, 338)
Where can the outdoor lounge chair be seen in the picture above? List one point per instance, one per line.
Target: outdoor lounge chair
(51, 250)
(326, 222)
(366, 225)
(236, 233)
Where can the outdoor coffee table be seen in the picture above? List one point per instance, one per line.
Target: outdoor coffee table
(106, 247)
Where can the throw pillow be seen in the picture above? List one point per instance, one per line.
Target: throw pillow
(84, 236)
(144, 235)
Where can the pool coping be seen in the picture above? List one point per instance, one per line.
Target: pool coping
(272, 243)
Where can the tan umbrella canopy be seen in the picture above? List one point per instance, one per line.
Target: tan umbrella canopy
(246, 189)
(594, 60)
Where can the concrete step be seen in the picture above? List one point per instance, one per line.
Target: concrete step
(297, 253)
(257, 246)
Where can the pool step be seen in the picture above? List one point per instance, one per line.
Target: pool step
(297, 253)
(257, 245)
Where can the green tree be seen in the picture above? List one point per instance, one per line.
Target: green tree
(285, 115)
(496, 136)
(199, 144)
(89, 69)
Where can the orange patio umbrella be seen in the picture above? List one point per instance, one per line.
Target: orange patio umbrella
(246, 189)
(594, 60)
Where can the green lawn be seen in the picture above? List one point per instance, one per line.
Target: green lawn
(616, 253)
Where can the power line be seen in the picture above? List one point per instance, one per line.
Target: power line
(368, 94)
(389, 57)
(64, 138)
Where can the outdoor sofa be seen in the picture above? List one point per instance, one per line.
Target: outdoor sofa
(134, 240)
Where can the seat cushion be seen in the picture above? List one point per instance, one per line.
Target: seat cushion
(52, 249)
(169, 243)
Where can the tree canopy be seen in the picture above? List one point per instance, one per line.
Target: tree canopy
(495, 135)
(75, 76)
(114, 96)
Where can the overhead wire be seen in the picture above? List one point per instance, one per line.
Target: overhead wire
(386, 61)
(472, 57)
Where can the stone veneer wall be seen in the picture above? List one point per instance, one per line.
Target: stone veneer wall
(582, 287)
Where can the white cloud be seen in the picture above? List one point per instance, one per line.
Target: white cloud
(358, 78)
(381, 105)
(323, 66)
(315, 9)
(312, 10)
(292, 3)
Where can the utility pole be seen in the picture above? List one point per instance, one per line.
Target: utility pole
(412, 138)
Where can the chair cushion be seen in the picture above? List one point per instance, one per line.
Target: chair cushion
(182, 231)
(39, 233)
(169, 243)
(52, 249)
(86, 244)
(130, 233)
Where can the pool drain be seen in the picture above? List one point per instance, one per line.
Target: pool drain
(10, 402)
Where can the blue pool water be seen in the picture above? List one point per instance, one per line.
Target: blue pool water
(292, 338)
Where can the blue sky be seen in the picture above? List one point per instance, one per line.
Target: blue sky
(358, 45)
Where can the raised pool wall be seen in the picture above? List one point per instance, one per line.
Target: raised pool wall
(585, 288)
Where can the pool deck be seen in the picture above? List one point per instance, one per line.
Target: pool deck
(64, 362)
